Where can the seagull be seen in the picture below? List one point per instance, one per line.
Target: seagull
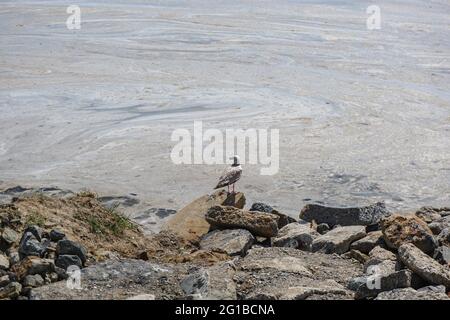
(231, 175)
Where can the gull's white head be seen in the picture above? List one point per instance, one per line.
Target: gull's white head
(236, 161)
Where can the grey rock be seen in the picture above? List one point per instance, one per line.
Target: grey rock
(64, 261)
(366, 244)
(378, 255)
(423, 265)
(67, 247)
(268, 273)
(36, 231)
(10, 291)
(442, 255)
(232, 241)
(444, 237)
(196, 283)
(56, 235)
(258, 223)
(4, 262)
(381, 277)
(344, 216)
(33, 281)
(14, 257)
(440, 289)
(295, 235)
(411, 294)
(439, 225)
(32, 266)
(119, 280)
(338, 240)
(283, 219)
(8, 237)
(357, 255)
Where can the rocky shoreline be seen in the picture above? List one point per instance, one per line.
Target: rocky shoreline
(214, 248)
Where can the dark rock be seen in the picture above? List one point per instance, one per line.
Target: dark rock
(32, 266)
(14, 257)
(442, 255)
(323, 228)
(295, 235)
(283, 219)
(196, 283)
(232, 241)
(30, 246)
(400, 229)
(338, 240)
(258, 223)
(4, 280)
(423, 265)
(36, 231)
(56, 235)
(366, 244)
(67, 247)
(444, 237)
(344, 216)
(64, 261)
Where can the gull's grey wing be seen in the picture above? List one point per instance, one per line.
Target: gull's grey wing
(232, 175)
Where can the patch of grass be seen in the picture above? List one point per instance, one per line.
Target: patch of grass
(119, 223)
(87, 193)
(35, 218)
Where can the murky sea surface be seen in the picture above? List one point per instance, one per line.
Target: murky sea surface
(364, 115)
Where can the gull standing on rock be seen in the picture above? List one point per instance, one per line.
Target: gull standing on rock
(231, 175)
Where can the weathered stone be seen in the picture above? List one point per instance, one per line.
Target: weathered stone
(283, 218)
(4, 262)
(378, 255)
(338, 240)
(357, 255)
(33, 265)
(119, 279)
(344, 216)
(411, 294)
(439, 225)
(14, 257)
(258, 223)
(323, 288)
(366, 244)
(190, 222)
(232, 241)
(323, 228)
(56, 235)
(65, 260)
(30, 246)
(433, 289)
(423, 265)
(33, 281)
(67, 247)
(427, 216)
(267, 273)
(142, 297)
(380, 277)
(196, 283)
(8, 237)
(4, 280)
(442, 255)
(399, 229)
(295, 235)
(10, 291)
(444, 237)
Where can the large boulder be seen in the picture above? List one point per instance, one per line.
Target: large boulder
(366, 244)
(68, 247)
(30, 245)
(232, 241)
(295, 235)
(338, 240)
(283, 218)
(332, 216)
(286, 273)
(377, 255)
(258, 223)
(400, 229)
(424, 266)
(190, 223)
(411, 294)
